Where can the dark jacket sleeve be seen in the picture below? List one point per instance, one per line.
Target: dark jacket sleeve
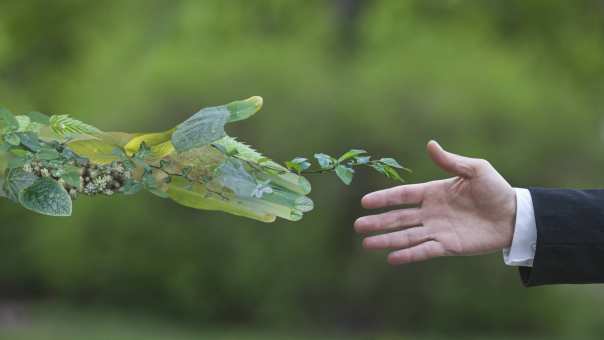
(570, 237)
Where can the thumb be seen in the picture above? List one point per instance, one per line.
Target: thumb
(453, 164)
(243, 109)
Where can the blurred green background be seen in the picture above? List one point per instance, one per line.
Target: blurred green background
(519, 83)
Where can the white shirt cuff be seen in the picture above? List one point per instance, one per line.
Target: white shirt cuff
(524, 243)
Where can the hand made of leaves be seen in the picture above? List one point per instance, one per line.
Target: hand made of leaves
(46, 162)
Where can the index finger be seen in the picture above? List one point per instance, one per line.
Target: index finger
(404, 194)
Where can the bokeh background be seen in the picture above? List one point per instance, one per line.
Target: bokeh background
(519, 83)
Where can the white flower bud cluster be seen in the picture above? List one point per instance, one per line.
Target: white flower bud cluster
(94, 179)
(103, 179)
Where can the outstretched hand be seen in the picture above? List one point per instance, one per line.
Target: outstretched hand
(469, 214)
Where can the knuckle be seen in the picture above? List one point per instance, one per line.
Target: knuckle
(483, 163)
(401, 216)
(387, 241)
(411, 238)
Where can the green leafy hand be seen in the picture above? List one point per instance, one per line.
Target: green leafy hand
(48, 161)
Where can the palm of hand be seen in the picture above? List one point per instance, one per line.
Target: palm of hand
(466, 215)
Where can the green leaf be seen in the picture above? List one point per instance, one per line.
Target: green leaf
(72, 175)
(95, 150)
(198, 197)
(351, 154)
(344, 173)
(8, 120)
(131, 187)
(24, 123)
(392, 173)
(16, 180)
(150, 183)
(362, 159)
(12, 139)
(47, 153)
(157, 192)
(30, 140)
(325, 161)
(143, 152)
(19, 152)
(19, 158)
(391, 162)
(39, 118)
(63, 125)
(16, 162)
(46, 197)
(298, 164)
(203, 128)
(119, 152)
(379, 167)
(387, 171)
(186, 171)
(164, 163)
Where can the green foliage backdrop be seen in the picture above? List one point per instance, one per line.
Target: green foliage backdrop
(516, 82)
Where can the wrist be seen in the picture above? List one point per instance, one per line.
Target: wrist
(509, 218)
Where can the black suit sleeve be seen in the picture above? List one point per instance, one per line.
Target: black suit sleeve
(570, 237)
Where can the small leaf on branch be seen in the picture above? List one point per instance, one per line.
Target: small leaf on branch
(131, 187)
(186, 171)
(345, 173)
(362, 159)
(298, 164)
(143, 152)
(325, 161)
(163, 164)
(351, 154)
(392, 173)
(379, 167)
(391, 162)
(150, 183)
(119, 152)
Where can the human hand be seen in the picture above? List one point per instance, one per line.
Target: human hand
(470, 214)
